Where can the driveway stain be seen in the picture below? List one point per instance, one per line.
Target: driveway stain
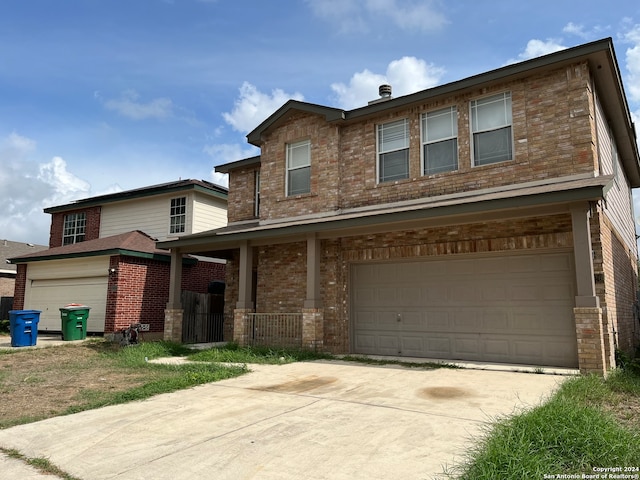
(444, 393)
(300, 385)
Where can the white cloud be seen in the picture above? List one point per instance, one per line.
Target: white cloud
(574, 29)
(357, 16)
(581, 31)
(27, 187)
(220, 178)
(226, 153)
(632, 54)
(253, 107)
(129, 106)
(407, 75)
(66, 186)
(345, 14)
(537, 48)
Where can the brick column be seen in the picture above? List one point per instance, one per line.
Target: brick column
(590, 335)
(312, 328)
(240, 332)
(173, 325)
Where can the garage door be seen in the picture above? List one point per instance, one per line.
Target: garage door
(509, 309)
(51, 294)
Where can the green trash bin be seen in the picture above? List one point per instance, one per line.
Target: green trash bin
(74, 321)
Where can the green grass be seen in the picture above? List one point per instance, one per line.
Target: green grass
(161, 378)
(400, 363)
(43, 465)
(232, 353)
(571, 433)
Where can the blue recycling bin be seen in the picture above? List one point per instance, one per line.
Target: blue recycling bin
(23, 327)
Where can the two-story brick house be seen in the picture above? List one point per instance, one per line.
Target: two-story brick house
(102, 253)
(488, 219)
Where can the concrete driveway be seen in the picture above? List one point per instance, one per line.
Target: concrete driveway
(315, 420)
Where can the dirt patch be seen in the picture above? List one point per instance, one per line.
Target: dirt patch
(444, 393)
(44, 382)
(301, 385)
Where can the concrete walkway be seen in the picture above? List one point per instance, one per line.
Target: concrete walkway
(312, 420)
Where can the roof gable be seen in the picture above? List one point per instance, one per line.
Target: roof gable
(331, 114)
(599, 55)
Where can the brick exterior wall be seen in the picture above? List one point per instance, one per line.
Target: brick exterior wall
(57, 225)
(139, 290)
(242, 187)
(554, 134)
(553, 129)
(616, 274)
(325, 140)
(19, 292)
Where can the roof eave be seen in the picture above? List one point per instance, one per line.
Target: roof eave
(98, 253)
(238, 164)
(215, 190)
(226, 241)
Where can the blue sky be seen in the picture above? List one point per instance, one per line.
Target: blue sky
(99, 96)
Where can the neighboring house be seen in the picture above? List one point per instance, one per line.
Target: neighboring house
(103, 254)
(9, 249)
(488, 219)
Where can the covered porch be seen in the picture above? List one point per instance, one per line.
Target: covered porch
(304, 323)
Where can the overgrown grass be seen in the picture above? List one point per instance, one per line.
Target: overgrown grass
(69, 381)
(400, 363)
(572, 433)
(160, 378)
(232, 353)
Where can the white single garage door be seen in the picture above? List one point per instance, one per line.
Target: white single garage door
(54, 284)
(506, 309)
(50, 295)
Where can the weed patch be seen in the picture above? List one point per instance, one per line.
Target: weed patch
(578, 429)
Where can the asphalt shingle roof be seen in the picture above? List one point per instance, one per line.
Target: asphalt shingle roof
(134, 241)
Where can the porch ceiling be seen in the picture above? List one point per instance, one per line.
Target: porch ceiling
(533, 199)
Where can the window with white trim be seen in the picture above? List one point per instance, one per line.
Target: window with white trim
(178, 215)
(491, 126)
(75, 227)
(393, 151)
(298, 168)
(440, 141)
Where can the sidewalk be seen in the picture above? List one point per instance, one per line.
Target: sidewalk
(43, 341)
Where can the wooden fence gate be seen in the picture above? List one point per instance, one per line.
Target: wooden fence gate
(203, 317)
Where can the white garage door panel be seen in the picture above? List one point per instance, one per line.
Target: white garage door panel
(515, 309)
(52, 294)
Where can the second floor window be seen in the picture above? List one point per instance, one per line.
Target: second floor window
(298, 168)
(178, 216)
(393, 151)
(440, 141)
(75, 227)
(491, 128)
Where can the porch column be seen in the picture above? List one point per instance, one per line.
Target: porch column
(244, 305)
(173, 313)
(313, 272)
(587, 312)
(583, 254)
(245, 281)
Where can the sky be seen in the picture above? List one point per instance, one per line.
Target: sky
(101, 96)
